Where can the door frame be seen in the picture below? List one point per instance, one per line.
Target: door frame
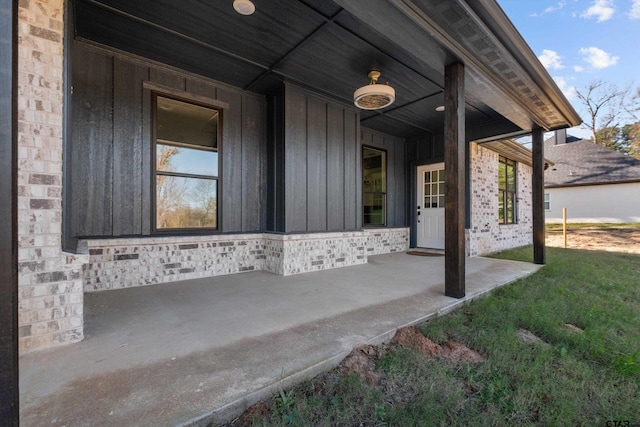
(419, 181)
(413, 189)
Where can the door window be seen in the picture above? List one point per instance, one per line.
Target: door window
(433, 189)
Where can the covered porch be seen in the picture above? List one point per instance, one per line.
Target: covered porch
(82, 159)
(203, 350)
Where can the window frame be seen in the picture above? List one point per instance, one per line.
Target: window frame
(503, 193)
(547, 202)
(154, 171)
(383, 193)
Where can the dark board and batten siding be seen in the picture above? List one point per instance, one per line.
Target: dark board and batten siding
(396, 174)
(110, 146)
(315, 162)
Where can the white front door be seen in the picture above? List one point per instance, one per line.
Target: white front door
(430, 206)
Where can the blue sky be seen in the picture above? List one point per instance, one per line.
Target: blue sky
(580, 41)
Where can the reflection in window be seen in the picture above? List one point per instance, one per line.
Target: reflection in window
(374, 186)
(507, 191)
(186, 165)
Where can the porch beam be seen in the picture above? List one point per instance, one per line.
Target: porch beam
(9, 413)
(537, 196)
(454, 166)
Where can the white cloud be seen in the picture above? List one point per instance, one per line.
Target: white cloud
(559, 6)
(551, 60)
(634, 13)
(598, 58)
(601, 9)
(568, 90)
(578, 68)
(550, 9)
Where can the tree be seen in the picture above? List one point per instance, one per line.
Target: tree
(630, 135)
(609, 137)
(604, 102)
(608, 109)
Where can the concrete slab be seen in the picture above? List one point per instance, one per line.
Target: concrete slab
(189, 352)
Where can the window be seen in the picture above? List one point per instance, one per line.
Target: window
(507, 191)
(434, 189)
(374, 186)
(547, 202)
(186, 165)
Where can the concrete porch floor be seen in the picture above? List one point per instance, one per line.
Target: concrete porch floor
(191, 352)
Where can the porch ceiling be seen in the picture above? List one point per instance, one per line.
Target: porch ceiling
(314, 43)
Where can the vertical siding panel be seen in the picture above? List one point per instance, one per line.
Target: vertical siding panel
(202, 88)
(295, 162)
(275, 170)
(230, 187)
(335, 169)
(392, 197)
(316, 165)
(91, 145)
(148, 198)
(400, 184)
(353, 171)
(165, 78)
(127, 148)
(253, 124)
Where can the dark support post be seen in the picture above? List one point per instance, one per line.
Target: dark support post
(537, 196)
(8, 214)
(454, 165)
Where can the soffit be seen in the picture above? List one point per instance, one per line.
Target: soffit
(316, 44)
(512, 150)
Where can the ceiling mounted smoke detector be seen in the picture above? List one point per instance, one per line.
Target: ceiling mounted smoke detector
(244, 7)
(374, 96)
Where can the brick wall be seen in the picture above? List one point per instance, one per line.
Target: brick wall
(387, 240)
(50, 281)
(486, 235)
(123, 263)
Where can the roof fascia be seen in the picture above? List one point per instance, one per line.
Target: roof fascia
(494, 18)
(529, 64)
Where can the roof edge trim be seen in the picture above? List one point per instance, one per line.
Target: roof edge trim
(494, 17)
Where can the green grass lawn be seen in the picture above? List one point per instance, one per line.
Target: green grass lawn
(585, 378)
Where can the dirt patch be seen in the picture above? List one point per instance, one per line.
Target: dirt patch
(410, 338)
(529, 337)
(598, 239)
(459, 354)
(363, 361)
(452, 351)
(572, 328)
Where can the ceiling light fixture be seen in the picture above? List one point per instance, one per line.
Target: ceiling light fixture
(374, 96)
(244, 7)
(440, 108)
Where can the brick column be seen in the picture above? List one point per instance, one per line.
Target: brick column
(50, 281)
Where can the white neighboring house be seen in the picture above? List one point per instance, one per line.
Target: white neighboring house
(594, 183)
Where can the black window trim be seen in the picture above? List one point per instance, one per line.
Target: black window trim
(386, 177)
(503, 192)
(195, 100)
